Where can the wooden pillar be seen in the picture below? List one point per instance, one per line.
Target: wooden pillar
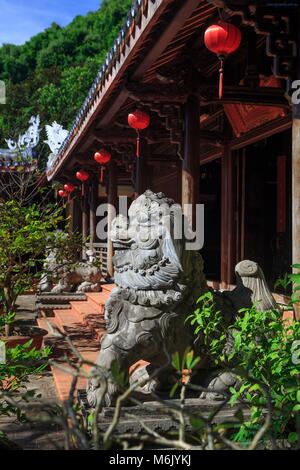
(85, 220)
(75, 213)
(228, 225)
(191, 164)
(141, 170)
(93, 208)
(112, 203)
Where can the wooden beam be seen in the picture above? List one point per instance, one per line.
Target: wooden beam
(214, 138)
(168, 33)
(264, 96)
(121, 138)
(149, 94)
(262, 132)
(106, 117)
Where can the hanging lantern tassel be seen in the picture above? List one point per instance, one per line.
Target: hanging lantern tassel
(138, 145)
(221, 75)
(102, 169)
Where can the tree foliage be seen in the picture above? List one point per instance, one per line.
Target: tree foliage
(52, 72)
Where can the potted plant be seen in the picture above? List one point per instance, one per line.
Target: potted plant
(26, 232)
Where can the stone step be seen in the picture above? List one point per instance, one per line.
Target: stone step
(46, 323)
(108, 287)
(59, 346)
(83, 321)
(63, 379)
(68, 319)
(99, 298)
(92, 315)
(87, 308)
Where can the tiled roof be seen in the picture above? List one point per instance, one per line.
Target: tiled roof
(134, 18)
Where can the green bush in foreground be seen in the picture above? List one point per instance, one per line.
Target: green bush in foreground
(266, 358)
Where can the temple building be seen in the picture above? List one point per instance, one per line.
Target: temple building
(235, 149)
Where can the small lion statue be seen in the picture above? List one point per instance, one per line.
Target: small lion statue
(158, 281)
(58, 278)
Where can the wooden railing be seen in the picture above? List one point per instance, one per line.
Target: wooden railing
(101, 253)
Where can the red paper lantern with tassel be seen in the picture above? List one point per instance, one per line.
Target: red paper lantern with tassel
(82, 176)
(62, 193)
(138, 120)
(222, 39)
(69, 188)
(102, 157)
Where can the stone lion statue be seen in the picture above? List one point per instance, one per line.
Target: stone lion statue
(158, 281)
(58, 278)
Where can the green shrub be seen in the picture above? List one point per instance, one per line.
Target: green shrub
(264, 357)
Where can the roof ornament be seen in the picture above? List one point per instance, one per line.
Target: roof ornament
(27, 141)
(56, 135)
(22, 150)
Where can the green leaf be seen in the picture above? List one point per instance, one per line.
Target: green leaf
(197, 423)
(174, 390)
(176, 361)
(293, 437)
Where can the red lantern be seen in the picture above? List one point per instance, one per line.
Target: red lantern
(102, 157)
(69, 188)
(82, 176)
(138, 120)
(62, 193)
(222, 39)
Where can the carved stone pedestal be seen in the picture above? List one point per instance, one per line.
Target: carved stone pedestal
(156, 417)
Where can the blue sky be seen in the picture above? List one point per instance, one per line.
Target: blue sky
(21, 19)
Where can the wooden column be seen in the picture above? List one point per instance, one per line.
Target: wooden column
(75, 213)
(228, 225)
(85, 219)
(112, 203)
(141, 173)
(93, 208)
(191, 164)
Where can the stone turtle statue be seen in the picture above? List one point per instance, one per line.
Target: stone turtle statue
(158, 281)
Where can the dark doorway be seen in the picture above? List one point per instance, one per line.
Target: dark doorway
(267, 222)
(210, 196)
